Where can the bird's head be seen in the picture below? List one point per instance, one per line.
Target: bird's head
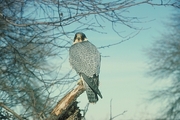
(79, 37)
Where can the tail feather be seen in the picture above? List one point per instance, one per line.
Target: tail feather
(91, 85)
(92, 96)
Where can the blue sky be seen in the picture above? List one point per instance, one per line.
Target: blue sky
(123, 74)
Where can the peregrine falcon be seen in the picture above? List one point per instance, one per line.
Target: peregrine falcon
(85, 59)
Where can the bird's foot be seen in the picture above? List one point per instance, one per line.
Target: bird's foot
(80, 82)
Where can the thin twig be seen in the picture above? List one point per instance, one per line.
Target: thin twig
(111, 118)
(110, 110)
(118, 115)
(11, 111)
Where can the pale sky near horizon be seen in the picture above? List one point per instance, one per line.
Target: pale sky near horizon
(123, 74)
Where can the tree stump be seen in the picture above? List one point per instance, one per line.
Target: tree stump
(66, 108)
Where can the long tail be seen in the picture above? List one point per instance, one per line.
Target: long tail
(91, 85)
(92, 96)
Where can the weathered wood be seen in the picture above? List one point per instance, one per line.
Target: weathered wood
(66, 108)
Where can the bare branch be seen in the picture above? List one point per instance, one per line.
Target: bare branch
(111, 117)
(62, 108)
(118, 115)
(11, 111)
(120, 41)
(112, 6)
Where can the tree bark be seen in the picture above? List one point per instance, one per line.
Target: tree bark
(66, 108)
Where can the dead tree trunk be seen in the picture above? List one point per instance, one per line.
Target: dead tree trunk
(66, 108)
